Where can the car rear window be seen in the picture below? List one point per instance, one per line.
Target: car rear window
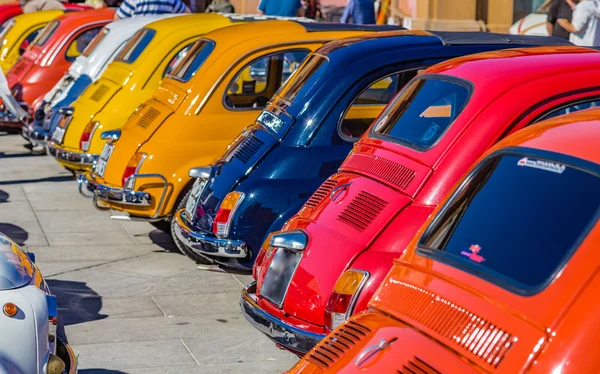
(516, 221)
(46, 33)
(94, 43)
(136, 45)
(190, 62)
(5, 28)
(15, 267)
(303, 79)
(423, 111)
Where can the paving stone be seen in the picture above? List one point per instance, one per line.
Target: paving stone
(83, 252)
(121, 356)
(76, 221)
(87, 238)
(58, 200)
(51, 269)
(16, 211)
(190, 305)
(160, 265)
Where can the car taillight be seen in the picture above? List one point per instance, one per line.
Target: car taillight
(223, 217)
(343, 298)
(132, 168)
(260, 257)
(84, 142)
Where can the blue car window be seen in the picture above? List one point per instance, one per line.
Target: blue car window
(370, 102)
(422, 112)
(80, 43)
(189, 60)
(136, 45)
(517, 220)
(303, 79)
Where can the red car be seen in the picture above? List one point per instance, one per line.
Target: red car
(47, 60)
(8, 11)
(328, 260)
(503, 278)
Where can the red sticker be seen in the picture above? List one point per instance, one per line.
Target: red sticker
(474, 254)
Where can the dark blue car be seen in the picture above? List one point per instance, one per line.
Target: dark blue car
(304, 134)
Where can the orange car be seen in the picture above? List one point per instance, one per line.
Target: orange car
(503, 278)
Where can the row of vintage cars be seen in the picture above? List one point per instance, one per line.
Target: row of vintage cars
(417, 201)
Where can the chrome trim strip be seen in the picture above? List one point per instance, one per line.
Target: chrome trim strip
(205, 244)
(290, 337)
(74, 157)
(118, 195)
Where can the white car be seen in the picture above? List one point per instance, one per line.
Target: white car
(532, 24)
(85, 69)
(33, 339)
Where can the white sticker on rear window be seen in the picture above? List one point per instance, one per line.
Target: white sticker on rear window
(543, 165)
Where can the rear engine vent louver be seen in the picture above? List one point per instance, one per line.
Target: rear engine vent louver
(362, 210)
(321, 193)
(337, 344)
(18, 68)
(148, 117)
(247, 148)
(460, 327)
(100, 92)
(381, 168)
(417, 366)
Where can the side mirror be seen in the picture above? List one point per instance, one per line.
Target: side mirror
(296, 240)
(111, 135)
(200, 172)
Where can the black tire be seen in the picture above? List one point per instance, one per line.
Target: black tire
(162, 225)
(180, 204)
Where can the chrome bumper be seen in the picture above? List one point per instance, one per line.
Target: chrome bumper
(35, 136)
(289, 337)
(117, 195)
(206, 244)
(74, 157)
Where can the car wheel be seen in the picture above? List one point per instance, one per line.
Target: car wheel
(162, 225)
(180, 204)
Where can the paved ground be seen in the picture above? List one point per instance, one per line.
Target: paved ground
(131, 304)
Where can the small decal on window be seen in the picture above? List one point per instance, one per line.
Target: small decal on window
(542, 165)
(473, 255)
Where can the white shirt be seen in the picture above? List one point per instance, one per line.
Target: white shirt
(586, 19)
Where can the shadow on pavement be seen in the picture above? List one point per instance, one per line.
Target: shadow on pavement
(163, 240)
(16, 233)
(77, 302)
(63, 178)
(4, 196)
(100, 371)
(18, 155)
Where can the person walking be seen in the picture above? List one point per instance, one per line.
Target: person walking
(585, 24)
(281, 8)
(361, 12)
(220, 6)
(132, 8)
(559, 9)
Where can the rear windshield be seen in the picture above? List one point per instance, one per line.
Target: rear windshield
(516, 222)
(422, 112)
(94, 43)
(186, 67)
(302, 80)
(136, 45)
(46, 33)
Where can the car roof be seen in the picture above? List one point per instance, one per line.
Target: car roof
(517, 66)
(136, 22)
(574, 135)
(75, 19)
(28, 19)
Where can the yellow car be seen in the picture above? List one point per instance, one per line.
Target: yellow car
(127, 82)
(19, 32)
(218, 89)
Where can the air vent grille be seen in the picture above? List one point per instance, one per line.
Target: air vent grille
(248, 148)
(381, 168)
(417, 366)
(362, 210)
(323, 191)
(148, 117)
(337, 344)
(460, 327)
(100, 92)
(18, 68)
